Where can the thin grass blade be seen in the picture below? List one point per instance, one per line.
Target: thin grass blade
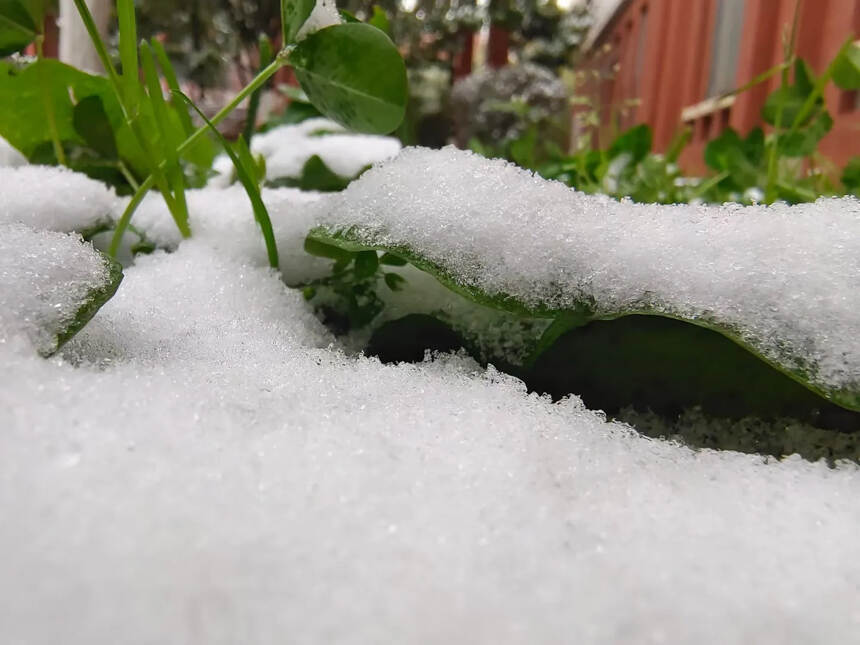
(244, 171)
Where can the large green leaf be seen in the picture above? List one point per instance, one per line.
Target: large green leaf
(92, 123)
(23, 116)
(17, 27)
(294, 13)
(354, 75)
(579, 315)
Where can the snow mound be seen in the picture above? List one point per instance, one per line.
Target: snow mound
(54, 198)
(46, 278)
(225, 219)
(782, 279)
(288, 147)
(199, 467)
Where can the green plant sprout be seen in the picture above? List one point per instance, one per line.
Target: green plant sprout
(351, 72)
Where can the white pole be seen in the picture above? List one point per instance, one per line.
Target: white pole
(75, 46)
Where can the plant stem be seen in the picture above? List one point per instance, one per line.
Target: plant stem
(818, 89)
(705, 186)
(128, 176)
(261, 78)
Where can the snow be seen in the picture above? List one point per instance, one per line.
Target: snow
(9, 156)
(45, 278)
(287, 148)
(324, 14)
(225, 219)
(784, 279)
(203, 464)
(54, 198)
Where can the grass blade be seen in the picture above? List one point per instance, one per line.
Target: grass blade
(128, 52)
(170, 138)
(173, 84)
(266, 57)
(244, 170)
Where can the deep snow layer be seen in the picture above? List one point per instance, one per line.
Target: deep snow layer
(201, 466)
(202, 469)
(785, 279)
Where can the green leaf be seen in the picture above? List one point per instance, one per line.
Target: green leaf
(264, 48)
(851, 176)
(170, 137)
(93, 125)
(846, 68)
(316, 175)
(366, 263)
(581, 314)
(320, 249)
(353, 74)
(379, 19)
(522, 149)
(791, 99)
(346, 16)
(803, 142)
(17, 27)
(173, 84)
(23, 116)
(294, 13)
(394, 281)
(244, 165)
(128, 53)
(636, 142)
(392, 260)
(729, 153)
(94, 301)
(665, 365)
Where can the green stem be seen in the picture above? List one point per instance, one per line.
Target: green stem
(818, 89)
(128, 176)
(149, 182)
(705, 186)
(125, 220)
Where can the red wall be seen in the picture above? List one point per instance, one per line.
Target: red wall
(675, 64)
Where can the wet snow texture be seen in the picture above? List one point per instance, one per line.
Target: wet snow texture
(54, 198)
(209, 474)
(45, 278)
(199, 466)
(785, 279)
(287, 148)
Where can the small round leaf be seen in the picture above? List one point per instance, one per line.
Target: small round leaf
(354, 75)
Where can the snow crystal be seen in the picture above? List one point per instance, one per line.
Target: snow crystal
(9, 156)
(324, 14)
(45, 278)
(200, 468)
(225, 219)
(783, 278)
(54, 198)
(287, 148)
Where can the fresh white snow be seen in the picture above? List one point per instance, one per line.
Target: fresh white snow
(287, 148)
(9, 156)
(201, 464)
(45, 278)
(785, 279)
(54, 198)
